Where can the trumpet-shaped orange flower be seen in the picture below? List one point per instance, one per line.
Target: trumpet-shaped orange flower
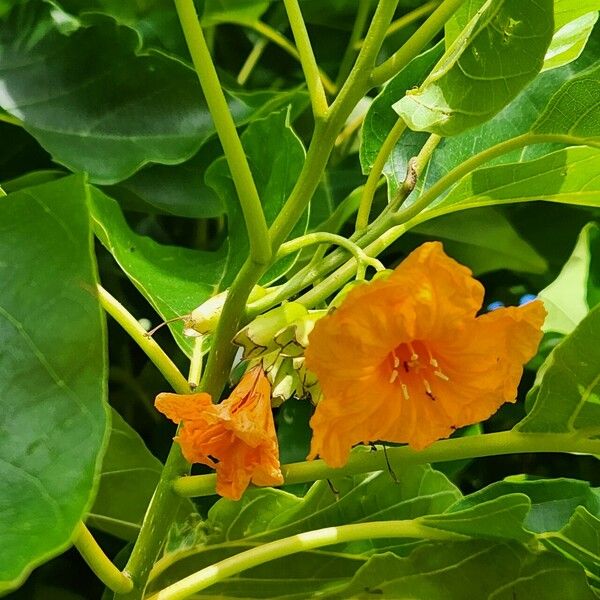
(405, 359)
(236, 437)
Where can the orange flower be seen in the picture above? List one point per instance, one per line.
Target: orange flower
(405, 359)
(236, 437)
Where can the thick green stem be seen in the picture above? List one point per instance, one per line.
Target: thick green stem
(300, 543)
(98, 562)
(254, 217)
(139, 335)
(360, 21)
(490, 444)
(366, 201)
(307, 59)
(395, 63)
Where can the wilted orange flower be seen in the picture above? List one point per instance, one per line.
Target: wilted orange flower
(236, 437)
(405, 359)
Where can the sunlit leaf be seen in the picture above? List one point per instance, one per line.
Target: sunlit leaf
(566, 395)
(501, 49)
(53, 414)
(576, 289)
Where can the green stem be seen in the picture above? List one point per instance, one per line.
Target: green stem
(307, 59)
(360, 21)
(395, 63)
(254, 217)
(139, 335)
(252, 60)
(280, 40)
(300, 543)
(8, 118)
(476, 161)
(196, 363)
(326, 131)
(366, 201)
(322, 237)
(411, 17)
(99, 563)
(489, 444)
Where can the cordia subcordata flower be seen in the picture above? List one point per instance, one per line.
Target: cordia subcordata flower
(406, 359)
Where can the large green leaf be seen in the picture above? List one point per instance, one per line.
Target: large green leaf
(468, 570)
(53, 415)
(98, 103)
(516, 119)
(276, 156)
(566, 394)
(576, 289)
(573, 23)
(173, 279)
(128, 478)
(484, 240)
(561, 176)
(574, 108)
(500, 50)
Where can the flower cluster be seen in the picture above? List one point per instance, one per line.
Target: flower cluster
(404, 358)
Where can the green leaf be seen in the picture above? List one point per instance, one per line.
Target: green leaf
(421, 490)
(276, 166)
(569, 41)
(576, 289)
(484, 240)
(468, 570)
(173, 279)
(499, 518)
(52, 373)
(579, 540)
(172, 189)
(566, 394)
(232, 11)
(574, 108)
(561, 176)
(100, 104)
(552, 501)
(380, 119)
(128, 477)
(495, 56)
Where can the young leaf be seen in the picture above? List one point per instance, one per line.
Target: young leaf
(128, 477)
(53, 415)
(565, 397)
(501, 49)
(576, 289)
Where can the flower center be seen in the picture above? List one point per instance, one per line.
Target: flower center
(413, 364)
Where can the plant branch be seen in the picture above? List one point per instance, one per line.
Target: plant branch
(366, 201)
(280, 40)
(139, 335)
(239, 168)
(98, 562)
(412, 16)
(300, 543)
(322, 237)
(360, 21)
(252, 60)
(489, 444)
(395, 63)
(307, 59)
